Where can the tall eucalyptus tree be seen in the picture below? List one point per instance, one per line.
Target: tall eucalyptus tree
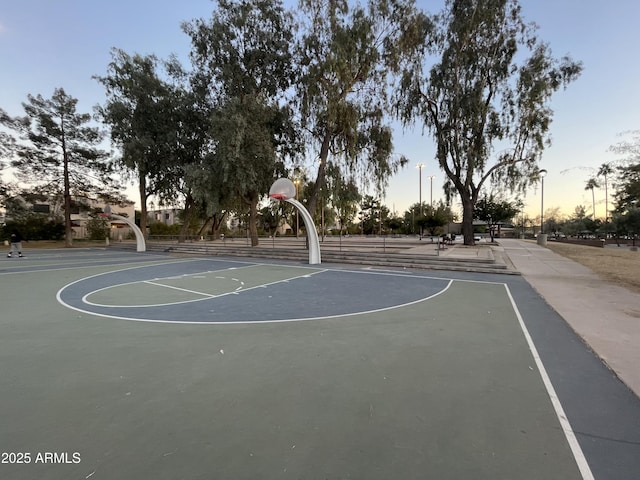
(242, 67)
(486, 99)
(347, 55)
(144, 119)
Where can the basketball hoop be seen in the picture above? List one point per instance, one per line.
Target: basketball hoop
(282, 189)
(278, 196)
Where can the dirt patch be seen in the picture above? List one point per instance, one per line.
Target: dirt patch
(620, 265)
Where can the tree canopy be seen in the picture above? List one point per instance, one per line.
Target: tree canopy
(56, 150)
(346, 54)
(485, 101)
(434, 218)
(242, 68)
(143, 112)
(270, 89)
(628, 188)
(627, 195)
(494, 211)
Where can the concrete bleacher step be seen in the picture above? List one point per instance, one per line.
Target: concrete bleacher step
(378, 259)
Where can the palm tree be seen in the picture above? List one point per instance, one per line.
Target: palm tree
(591, 184)
(605, 170)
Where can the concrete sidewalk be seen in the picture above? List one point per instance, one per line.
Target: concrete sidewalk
(606, 316)
(481, 250)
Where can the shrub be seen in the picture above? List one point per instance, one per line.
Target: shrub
(98, 228)
(160, 228)
(36, 227)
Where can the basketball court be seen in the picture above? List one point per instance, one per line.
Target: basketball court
(152, 366)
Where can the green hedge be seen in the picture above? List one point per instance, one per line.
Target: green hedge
(35, 228)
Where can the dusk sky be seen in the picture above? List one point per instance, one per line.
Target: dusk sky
(47, 44)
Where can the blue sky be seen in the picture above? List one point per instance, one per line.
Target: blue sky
(46, 44)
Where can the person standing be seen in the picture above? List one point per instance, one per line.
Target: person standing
(15, 240)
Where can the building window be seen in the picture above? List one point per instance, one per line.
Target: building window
(41, 208)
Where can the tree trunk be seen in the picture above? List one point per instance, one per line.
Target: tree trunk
(142, 188)
(467, 219)
(320, 178)
(68, 230)
(213, 224)
(218, 222)
(205, 226)
(253, 219)
(189, 205)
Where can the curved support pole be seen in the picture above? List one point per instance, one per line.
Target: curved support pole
(312, 233)
(140, 244)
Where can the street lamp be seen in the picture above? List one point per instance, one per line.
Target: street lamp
(431, 177)
(542, 174)
(420, 166)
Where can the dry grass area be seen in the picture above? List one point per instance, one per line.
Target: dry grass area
(618, 265)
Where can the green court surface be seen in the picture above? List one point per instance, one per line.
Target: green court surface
(445, 387)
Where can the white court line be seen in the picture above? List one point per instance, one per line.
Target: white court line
(374, 271)
(84, 298)
(245, 265)
(207, 295)
(569, 434)
(170, 262)
(246, 322)
(307, 275)
(178, 288)
(149, 263)
(393, 273)
(165, 261)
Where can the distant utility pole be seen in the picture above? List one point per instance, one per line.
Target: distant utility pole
(431, 177)
(420, 166)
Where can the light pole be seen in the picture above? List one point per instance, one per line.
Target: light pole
(420, 166)
(542, 174)
(431, 177)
